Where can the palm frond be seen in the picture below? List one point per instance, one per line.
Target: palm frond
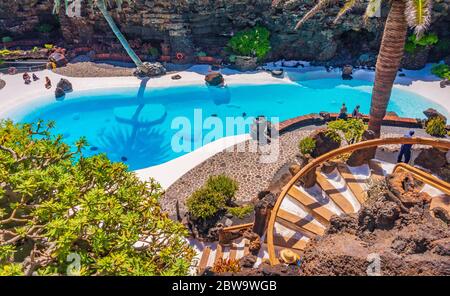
(57, 5)
(418, 15)
(348, 5)
(372, 7)
(318, 7)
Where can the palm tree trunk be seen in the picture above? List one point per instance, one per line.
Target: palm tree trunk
(102, 7)
(388, 62)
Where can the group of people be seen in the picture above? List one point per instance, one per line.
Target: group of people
(27, 79)
(355, 114)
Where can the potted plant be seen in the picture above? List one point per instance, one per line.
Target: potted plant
(250, 47)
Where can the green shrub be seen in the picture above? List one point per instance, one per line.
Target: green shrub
(201, 54)
(224, 185)
(213, 197)
(436, 127)
(240, 212)
(353, 129)
(413, 44)
(153, 51)
(204, 203)
(44, 28)
(333, 135)
(252, 42)
(48, 46)
(307, 145)
(56, 201)
(441, 70)
(5, 52)
(6, 39)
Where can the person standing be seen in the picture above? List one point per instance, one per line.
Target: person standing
(405, 150)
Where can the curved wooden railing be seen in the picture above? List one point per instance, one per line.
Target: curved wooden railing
(437, 143)
(424, 177)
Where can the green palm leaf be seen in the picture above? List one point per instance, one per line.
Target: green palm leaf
(372, 7)
(418, 15)
(317, 8)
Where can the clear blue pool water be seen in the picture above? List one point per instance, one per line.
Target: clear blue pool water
(92, 114)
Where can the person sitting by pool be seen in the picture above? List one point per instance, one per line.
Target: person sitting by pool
(343, 112)
(26, 77)
(35, 77)
(356, 114)
(405, 149)
(48, 83)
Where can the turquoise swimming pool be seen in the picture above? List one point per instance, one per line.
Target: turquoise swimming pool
(139, 125)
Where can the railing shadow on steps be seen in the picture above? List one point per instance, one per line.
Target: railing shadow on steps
(436, 143)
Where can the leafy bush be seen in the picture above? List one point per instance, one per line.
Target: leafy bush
(413, 44)
(5, 52)
(205, 203)
(213, 197)
(223, 185)
(441, 70)
(252, 42)
(240, 212)
(436, 127)
(44, 28)
(6, 39)
(353, 129)
(57, 202)
(48, 46)
(226, 265)
(153, 51)
(307, 145)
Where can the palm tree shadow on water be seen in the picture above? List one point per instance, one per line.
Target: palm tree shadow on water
(139, 146)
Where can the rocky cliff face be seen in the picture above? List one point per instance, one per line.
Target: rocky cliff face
(190, 25)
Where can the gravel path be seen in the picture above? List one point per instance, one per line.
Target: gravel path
(246, 168)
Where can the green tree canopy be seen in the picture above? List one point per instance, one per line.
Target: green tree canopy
(56, 205)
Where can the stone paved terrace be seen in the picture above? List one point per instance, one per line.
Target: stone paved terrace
(246, 169)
